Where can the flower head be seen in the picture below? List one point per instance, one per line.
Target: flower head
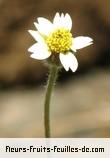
(55, 40)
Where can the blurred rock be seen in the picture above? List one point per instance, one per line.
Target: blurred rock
(90, 18)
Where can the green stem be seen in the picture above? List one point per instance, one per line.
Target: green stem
(50, 85)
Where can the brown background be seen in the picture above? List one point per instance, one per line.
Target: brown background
(81, 102)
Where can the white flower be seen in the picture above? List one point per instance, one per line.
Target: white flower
(56, 39)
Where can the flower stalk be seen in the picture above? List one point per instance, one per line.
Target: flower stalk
(56, 44)
(50, 85)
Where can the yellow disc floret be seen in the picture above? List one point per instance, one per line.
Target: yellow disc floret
(59, 41)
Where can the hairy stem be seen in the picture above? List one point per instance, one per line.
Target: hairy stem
(50, 85)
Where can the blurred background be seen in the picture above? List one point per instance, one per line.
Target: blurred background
(80, 104)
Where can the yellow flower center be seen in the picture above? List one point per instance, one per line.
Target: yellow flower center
(59, 41)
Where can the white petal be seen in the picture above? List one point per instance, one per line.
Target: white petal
(40, 55)
(73, 62)
(39, 51)
(56, 18)
(44, 26)
(62, 21)
(68, 21)
(36, 35)
(64, 61)
(81, 42)
(33, 48)
(69, 61)
(62, 16)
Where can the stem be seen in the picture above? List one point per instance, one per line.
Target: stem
(50, 85)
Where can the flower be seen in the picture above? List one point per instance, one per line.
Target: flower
(55, 39)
